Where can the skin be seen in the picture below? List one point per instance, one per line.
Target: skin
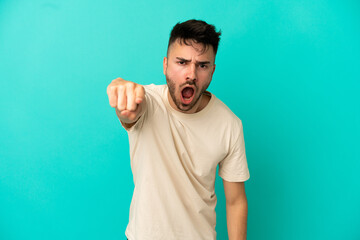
(128, 100)
(236, 210)
(189, 66)
(185, 65)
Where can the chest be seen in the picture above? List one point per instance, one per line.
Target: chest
(200, 145)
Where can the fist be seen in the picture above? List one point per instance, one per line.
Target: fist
(127, 98)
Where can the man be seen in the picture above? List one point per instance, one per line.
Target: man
(178, 134)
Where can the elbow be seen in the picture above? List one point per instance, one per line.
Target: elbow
(239, 201)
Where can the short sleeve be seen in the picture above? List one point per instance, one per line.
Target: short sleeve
(234, 167)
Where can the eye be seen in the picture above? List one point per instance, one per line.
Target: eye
(181, 62)
(204, 66)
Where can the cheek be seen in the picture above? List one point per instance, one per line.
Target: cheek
(176, 73)
(205, 77)
(208, 74)
(204, 81)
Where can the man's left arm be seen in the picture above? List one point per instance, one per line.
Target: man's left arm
(236, 209)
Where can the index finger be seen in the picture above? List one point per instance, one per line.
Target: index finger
(139, 94)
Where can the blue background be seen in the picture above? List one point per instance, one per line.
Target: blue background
(289, 69)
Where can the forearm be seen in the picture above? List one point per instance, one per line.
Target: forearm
(236, 216)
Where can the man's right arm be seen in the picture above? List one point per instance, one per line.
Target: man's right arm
(128, 99)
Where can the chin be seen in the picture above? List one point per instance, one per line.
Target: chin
(186, 107)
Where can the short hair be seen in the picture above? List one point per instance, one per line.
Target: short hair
(195, 30)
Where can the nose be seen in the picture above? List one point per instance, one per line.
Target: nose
(191, 73)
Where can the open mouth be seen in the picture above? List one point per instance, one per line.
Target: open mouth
(187, 95)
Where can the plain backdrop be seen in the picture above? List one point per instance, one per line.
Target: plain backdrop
(289, 69)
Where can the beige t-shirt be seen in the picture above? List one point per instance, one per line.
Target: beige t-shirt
(174, 157)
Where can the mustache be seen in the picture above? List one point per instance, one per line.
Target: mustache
(188, 83)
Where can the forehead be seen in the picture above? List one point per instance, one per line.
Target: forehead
(190, 49)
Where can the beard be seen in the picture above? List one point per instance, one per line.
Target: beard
(177, 100)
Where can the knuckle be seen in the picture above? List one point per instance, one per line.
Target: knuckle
(130, 85)
(120, 88)
(111, 89)
(118, 80)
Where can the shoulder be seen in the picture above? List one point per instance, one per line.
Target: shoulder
(228, 124)
(153, 89)
(154, 95)
(224, 112)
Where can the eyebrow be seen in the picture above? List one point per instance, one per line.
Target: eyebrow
(198, 62)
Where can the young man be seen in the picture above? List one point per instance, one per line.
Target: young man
(179, 133)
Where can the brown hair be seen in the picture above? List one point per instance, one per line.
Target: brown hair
(197, 31)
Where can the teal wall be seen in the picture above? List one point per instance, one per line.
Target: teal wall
(289, 69)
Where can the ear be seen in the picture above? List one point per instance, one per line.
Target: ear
(165, 65)
(213, 69)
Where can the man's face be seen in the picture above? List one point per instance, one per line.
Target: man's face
(188, 71)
